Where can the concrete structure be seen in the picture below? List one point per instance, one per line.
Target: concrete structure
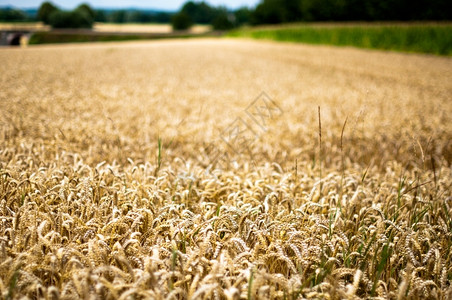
(13, 37)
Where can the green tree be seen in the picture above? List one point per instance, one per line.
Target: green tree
(86, 9)
(292, 10)
(242, 16)
(12, 15)
(279, 11)
(181, 21)
(200, 12)
(190, 8)
(223, 21)
(85, 15)
(118, 16)
(70, 19)
(101, 16)
(268, 12)
(162, 17)
(45, 11)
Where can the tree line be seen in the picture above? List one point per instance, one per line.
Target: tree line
(9, 14)
(283, 11)
(266, 12)
(286, 11)
(202, 13)
(83, 16)
(132, 16)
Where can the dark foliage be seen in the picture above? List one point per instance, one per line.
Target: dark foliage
(181, 21)
(200, 12)
(242, 16)
(132, 16)
(81, 17)
(223, 21)
(281, 11)
(87, 10)
(70, 19)
(45, 11)
(13, 15)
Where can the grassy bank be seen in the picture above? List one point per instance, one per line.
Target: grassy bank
(51, 37)
(58, 38)
(23, 25)
(429, 38)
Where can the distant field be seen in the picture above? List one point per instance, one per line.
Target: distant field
(109, 27)
(23, 26)
(415, 37)
(146, 28)
(159, 170)
(103, 32)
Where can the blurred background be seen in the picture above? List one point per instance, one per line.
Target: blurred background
(419, 26)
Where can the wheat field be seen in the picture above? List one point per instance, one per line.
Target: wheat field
(145, 28)
(224, 169)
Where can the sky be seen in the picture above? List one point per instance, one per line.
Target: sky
(162, 4)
